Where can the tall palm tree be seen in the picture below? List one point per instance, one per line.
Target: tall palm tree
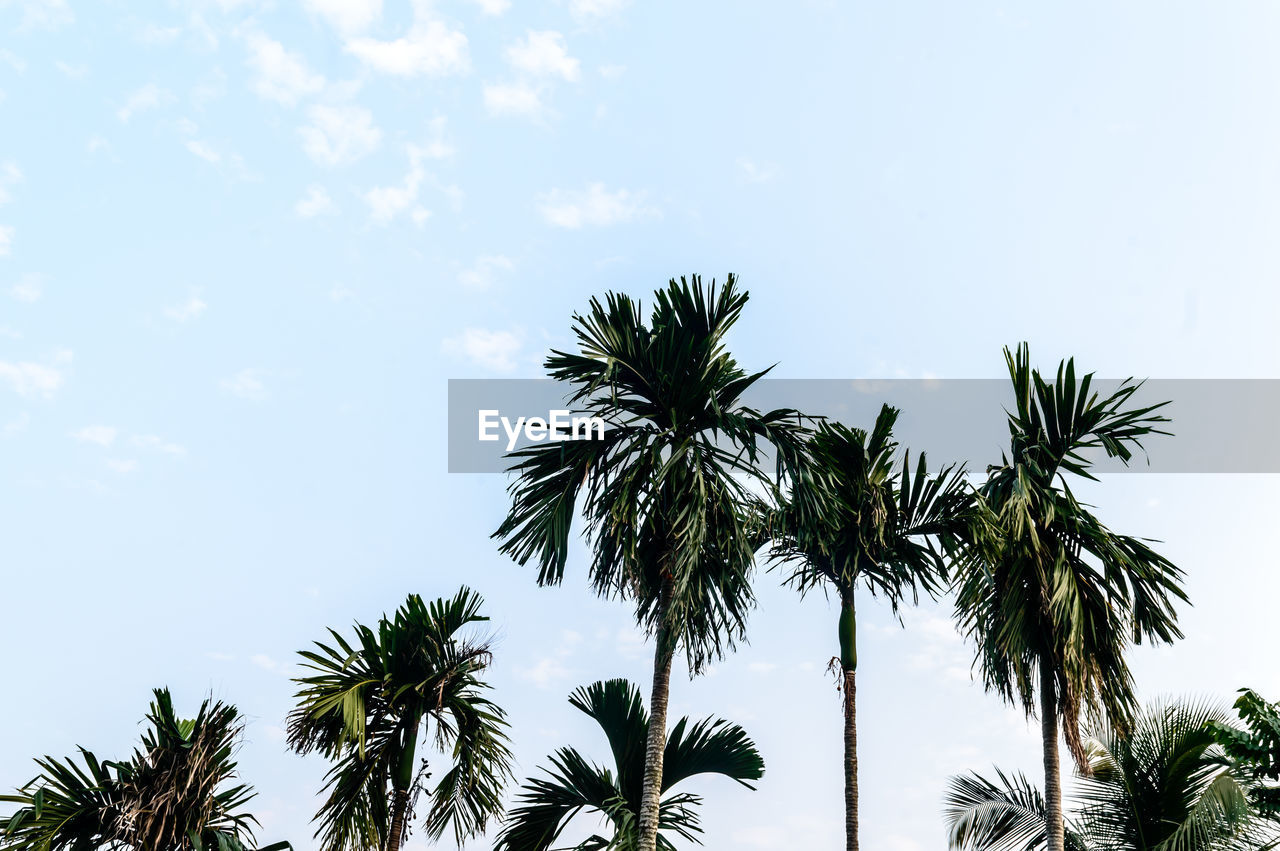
(173, 794)
(370, 701)
(666, 493)
(1162, 785)
(857, 519)
(1052, 597)
(574, 785)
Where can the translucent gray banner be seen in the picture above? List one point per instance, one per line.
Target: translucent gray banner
(1217, 425)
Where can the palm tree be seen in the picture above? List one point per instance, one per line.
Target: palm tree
(1162, 785)
(575, 785)
(368, 703)
(171, 795)
(666, 493)
(1052, 597)
(1254, 747)
(853, 519)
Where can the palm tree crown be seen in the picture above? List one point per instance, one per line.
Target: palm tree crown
(365, 706)
(1162, 785)
(173, 794)
(575, 785)
(1053, 592)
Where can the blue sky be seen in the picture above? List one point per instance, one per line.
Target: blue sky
(244, 244)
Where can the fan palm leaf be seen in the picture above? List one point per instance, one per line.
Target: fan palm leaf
(574, 785)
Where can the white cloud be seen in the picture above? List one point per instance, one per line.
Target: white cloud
(146, 98)
(122, 465)
(612, 72)
(188, 310)
(545, 672)
(430, 48)
(29, 289)
(493, 7)
(495, 350)
(512, 99)
(96, 143)
(96, 434)
(281, 75)
(339, 135)
(6, 239)
(204, 151)
(28, 378)
(756, 172)
(585, 9)
(10, 175)
(594, 206)
(316, 203)
(482, 273)
(247, 384)
(346, 16)
(543, 53)
(388, 202)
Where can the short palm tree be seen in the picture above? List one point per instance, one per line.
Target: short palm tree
(1162, 785)
(370, 700)
(574, 785)
(176, 793)
(1254, 748)
(1052, 597)
(667, 492)
(858, 518)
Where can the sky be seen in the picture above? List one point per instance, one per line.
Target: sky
(244, 244)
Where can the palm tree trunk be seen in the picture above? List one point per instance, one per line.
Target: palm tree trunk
(1052, 770)
(656, 744)
(400, 783)
(849, 666)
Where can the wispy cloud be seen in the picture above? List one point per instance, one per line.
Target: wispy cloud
(386, 203)
(187, 310)
(493, 350)
(143, 99)
(10, 176)
(100, 435)
(543, 53)
(247, 384)
(339, 135)
(153, 442)
(756, 172)
(315, 203)
(493, 7)
(45, 14)
(6, 239)
(280, 75)
(122, 465)
(430, 48)
(29, 378)
(594, 206)
(481, 274)
(588, 10)
(28, 289)
(521, 99)
(347, 17)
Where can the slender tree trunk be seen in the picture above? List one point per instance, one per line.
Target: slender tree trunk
(849, 666)
(1052, 770)
(400, 783)
(656, 744)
